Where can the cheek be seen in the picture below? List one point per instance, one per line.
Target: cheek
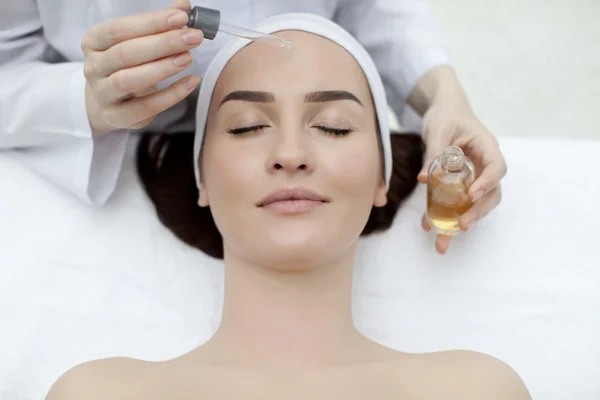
(229, 174)
(355, 170)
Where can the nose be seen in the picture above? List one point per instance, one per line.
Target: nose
(291, 152)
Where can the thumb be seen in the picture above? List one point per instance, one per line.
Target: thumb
(434, 146)
(183, 5)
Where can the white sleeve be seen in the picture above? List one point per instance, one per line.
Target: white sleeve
(43, 116)
(403, 38)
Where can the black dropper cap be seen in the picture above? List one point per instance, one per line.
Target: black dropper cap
(205, 19)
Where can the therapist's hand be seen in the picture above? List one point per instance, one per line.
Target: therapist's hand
(444, 126)
(448, 120)
(126, 58)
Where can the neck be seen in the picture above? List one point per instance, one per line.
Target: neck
(274, 317)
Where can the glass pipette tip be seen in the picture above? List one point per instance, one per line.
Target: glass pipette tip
(254, 35)
(208, 20)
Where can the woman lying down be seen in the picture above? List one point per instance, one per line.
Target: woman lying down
(292, 161)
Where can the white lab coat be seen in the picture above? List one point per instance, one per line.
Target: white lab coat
(43, 119)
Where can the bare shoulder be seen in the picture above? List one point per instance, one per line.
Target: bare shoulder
(477, 375)
(101, 379)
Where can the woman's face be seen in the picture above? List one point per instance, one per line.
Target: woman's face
(291, 165)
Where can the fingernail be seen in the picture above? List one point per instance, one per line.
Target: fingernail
(191, 83)
(478, 194)
(471, 225)
(177, 19)
(192, 37)
(182, 60)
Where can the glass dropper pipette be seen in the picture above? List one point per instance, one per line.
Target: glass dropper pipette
(209, 22)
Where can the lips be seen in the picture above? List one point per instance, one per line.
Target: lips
(293, 201)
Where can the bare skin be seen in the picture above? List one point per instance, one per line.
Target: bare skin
(454, 375)
(287, 328)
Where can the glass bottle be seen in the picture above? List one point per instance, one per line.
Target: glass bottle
(450, 176)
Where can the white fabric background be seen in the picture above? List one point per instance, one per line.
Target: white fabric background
(529, 66)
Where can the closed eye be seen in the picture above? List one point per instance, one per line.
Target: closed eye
(246, 129)
(256, 128)
(333, 131)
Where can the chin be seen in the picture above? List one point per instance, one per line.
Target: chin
(294, 253)
(290, 253)
(293, 244)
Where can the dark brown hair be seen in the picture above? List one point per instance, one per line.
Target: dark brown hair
(166, 168)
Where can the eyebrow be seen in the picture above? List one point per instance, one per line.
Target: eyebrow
(322, 96)
(249, 95)
(330, 95)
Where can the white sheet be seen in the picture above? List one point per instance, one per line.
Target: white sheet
(78, 283)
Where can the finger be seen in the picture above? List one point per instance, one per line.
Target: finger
(146, 92)
(480, 209)
(103, 36)
(146, 49)
(425, 224)
(423, 174)
(442, 244)
(139, 93)
(184, 5)
(488, 180)
(433, 149)
(140, 78)
(141, 108)
(494, 169)
(143, 123)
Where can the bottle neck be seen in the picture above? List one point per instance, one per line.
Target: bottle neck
(453, 159)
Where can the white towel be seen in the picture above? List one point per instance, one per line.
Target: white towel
(78, 283)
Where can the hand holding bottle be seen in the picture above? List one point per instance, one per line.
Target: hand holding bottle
(445, 126)
(126, 58)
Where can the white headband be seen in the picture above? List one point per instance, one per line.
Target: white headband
(311, 24)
